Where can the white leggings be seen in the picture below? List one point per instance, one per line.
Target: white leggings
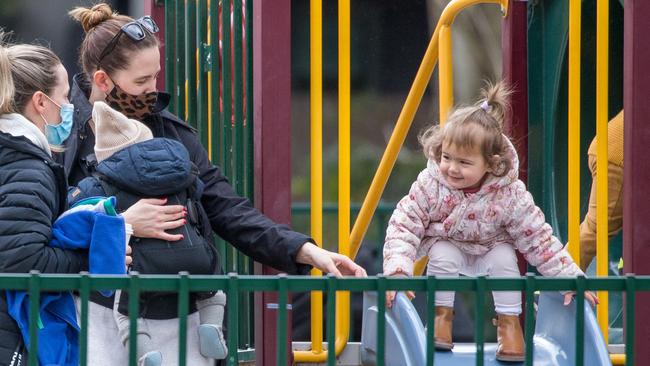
(446, 259)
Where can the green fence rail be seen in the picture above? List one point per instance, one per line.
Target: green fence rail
(235, 285)
(209, 71)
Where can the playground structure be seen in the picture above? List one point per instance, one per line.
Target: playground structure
(237, 94)
(558, 89)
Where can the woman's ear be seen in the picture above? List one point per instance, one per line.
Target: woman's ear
(38, 102)
(102, 81)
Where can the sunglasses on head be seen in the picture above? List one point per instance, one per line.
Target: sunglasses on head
(136, 30)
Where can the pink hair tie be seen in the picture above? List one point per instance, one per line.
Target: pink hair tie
(485, 106)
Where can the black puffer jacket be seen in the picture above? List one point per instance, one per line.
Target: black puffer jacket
(32, 195)
(232, 217)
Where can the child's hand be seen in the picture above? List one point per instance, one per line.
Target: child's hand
(390, 296)
(589, 296)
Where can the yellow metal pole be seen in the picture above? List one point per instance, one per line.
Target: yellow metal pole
(405, 118)
(574, 129)
(317, 354)
(343, 297)
(316, 214)
(445, 74)
(618, 359)
(446, 102)
(602, 111)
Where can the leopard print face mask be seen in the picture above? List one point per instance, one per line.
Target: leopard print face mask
(133, 106)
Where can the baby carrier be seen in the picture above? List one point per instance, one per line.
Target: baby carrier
(195, 253)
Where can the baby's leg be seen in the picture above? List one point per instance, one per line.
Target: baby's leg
(146, 354)
(445, 259)
(501, 261)
(211, 311)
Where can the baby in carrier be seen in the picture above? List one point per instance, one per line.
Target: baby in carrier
(133, 165)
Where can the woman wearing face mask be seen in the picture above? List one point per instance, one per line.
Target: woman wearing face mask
(32, 185)
(121, 62)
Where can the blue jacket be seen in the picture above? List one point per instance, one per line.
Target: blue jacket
(58, 332)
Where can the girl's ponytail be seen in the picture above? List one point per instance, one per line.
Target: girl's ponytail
(495, 101)
(6, 80)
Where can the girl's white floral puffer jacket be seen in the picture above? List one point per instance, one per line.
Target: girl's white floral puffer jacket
(502, 211)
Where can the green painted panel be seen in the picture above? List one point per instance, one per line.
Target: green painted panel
(548, 83)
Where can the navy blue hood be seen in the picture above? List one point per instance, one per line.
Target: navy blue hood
(150, 168)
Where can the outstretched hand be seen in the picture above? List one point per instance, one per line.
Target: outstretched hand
(589, 296)
(329, 262)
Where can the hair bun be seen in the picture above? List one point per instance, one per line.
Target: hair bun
(89, 18)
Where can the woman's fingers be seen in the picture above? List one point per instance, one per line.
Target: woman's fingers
(169, 237)
(173, 210)
(175, 216)
(168, 225)
(128, 259)
(154, 201)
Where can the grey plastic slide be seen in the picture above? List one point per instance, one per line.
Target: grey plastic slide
(554, 339)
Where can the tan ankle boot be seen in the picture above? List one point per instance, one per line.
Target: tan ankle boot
(510, 338)
(442, 329)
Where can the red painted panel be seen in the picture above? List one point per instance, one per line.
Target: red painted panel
(636, 190)
(514, 41)
(157, 11)
(272, 137)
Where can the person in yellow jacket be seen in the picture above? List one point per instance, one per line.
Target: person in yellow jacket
(614, 191)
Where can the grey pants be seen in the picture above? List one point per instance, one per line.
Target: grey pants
(105, 347)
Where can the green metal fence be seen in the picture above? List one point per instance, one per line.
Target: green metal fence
(211, 86)
(300, 214)
(235, 285)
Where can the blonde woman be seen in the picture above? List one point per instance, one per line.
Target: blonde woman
(36, 115)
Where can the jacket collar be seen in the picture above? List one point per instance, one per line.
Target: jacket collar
(17, 125)
(79, 97)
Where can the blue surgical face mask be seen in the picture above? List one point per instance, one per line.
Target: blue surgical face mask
(57, 133)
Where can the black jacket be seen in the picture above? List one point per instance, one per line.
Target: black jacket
(32, 196)
(232, 217)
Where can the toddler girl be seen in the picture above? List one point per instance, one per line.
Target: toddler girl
(468, 212)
